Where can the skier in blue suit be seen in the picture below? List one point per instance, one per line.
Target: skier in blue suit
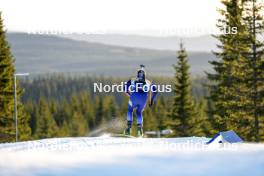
(138, 90)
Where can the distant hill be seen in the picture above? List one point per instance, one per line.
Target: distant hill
(40, 54)
(205, 43)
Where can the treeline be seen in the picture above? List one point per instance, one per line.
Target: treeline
(62, 86)
(63, 105)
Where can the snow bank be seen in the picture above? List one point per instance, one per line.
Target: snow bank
(130, 156)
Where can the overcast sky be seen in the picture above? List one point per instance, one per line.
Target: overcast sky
(143, 17)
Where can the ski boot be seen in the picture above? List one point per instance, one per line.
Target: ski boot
(139, 130)
(128, 129)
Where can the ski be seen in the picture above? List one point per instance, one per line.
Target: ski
(122, 135)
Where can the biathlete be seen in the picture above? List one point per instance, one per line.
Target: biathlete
(139, 89)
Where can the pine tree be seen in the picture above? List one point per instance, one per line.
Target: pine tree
(238, 76)
(65, 116)
(254, 21)
(202, 123)
(99, 112)
(46, 125)
(78, 125)
(161, 113)
(150, 120)
(183, 108)
(209, 110)
(24, 130)
(110, 111)
(30, 109)
(7, 71)
(87, 108)
(64, 130)
(226, 90)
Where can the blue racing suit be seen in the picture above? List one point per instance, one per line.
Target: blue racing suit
(138, 98)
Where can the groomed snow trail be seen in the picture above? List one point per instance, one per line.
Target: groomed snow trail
(130, 156)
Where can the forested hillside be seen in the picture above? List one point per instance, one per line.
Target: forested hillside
(61, 105)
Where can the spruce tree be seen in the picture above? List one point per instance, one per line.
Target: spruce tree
(7, 71)
(161, 113)
(87, 107)
(78, 125)
(202, 123)
(226, 88)
(238, 78)
(46, 125)
(99, 111)
(254, 80)
(181, 117)
(110, 111)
